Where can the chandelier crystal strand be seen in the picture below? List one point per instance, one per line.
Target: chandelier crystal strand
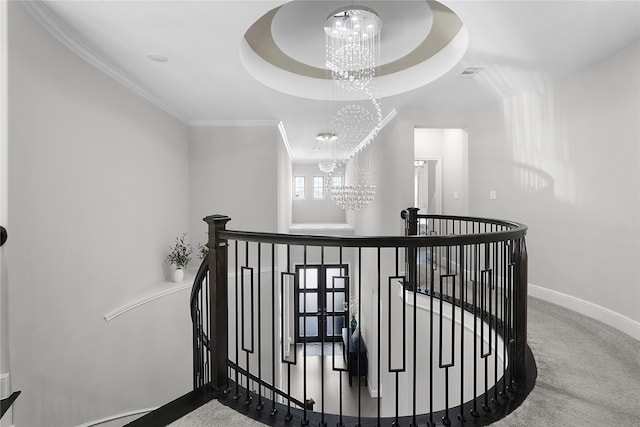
(352, 52)
(327, 166)
(352, 46)
(353, 122)
(359, 187)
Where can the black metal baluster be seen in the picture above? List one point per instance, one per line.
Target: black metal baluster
(390, 327)
(305, 420)
(196, 349)
(509, 336)
(198, 355)
(274, 337)
(507, 318)
(501, 312)
(333, 362)
(497, 280)
(445, 419)
(236, 396)
(288, 416)
(476, 270)
(248, 350)
(323, 319)
(200, 330)
(260, 404)
(463, 285)
(379, 360)
(431, 292)
(520, 320)
(414, 422)
(359, 334)
(206, 354)
(486, 292)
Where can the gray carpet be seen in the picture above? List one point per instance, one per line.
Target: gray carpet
(588, 372)
(588, 375)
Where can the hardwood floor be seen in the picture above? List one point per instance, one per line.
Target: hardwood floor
(335, 389)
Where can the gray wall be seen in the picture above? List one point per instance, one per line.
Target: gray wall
(310, 211)
(232, 171)
(565, 161)
(98, 190)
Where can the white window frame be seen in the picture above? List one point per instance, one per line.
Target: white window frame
(296, 188)
(318, 192)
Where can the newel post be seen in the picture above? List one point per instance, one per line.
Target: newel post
(219, 318)
(410, 216)
(520, 308)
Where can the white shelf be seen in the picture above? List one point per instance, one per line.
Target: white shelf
(152, 293)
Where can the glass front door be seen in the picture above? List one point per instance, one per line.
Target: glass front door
(322, 295)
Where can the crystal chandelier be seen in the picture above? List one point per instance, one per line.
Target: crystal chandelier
(352, 52)
(352, 122)
(352, 46)
(327, 166)
(358, 188)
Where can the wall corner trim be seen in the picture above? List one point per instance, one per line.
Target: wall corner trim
(614, 319)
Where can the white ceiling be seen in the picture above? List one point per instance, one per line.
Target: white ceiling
(520, 44)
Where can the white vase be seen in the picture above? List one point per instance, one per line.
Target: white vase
(178, 275)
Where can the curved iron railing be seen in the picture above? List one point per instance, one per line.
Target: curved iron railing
(442, 309)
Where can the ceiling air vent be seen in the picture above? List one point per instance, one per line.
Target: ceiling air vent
(469, 72)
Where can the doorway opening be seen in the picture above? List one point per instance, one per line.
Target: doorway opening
(428, 185)
(441, 171)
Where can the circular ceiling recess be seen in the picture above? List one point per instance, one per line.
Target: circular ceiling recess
(419, 42)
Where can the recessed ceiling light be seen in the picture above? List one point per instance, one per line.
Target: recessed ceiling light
(327, 137)
(157, 57)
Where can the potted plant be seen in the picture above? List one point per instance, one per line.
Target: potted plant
(179, 256)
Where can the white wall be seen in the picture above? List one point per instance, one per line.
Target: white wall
(565, 161)
(392, 153)
(98, 190)
(310, 210)
(5, 369)
(233, 172)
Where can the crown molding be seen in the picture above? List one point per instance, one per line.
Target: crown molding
(285, 139)
(73, 41)
(238, 123)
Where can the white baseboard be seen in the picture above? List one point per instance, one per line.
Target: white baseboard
(623, 323)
